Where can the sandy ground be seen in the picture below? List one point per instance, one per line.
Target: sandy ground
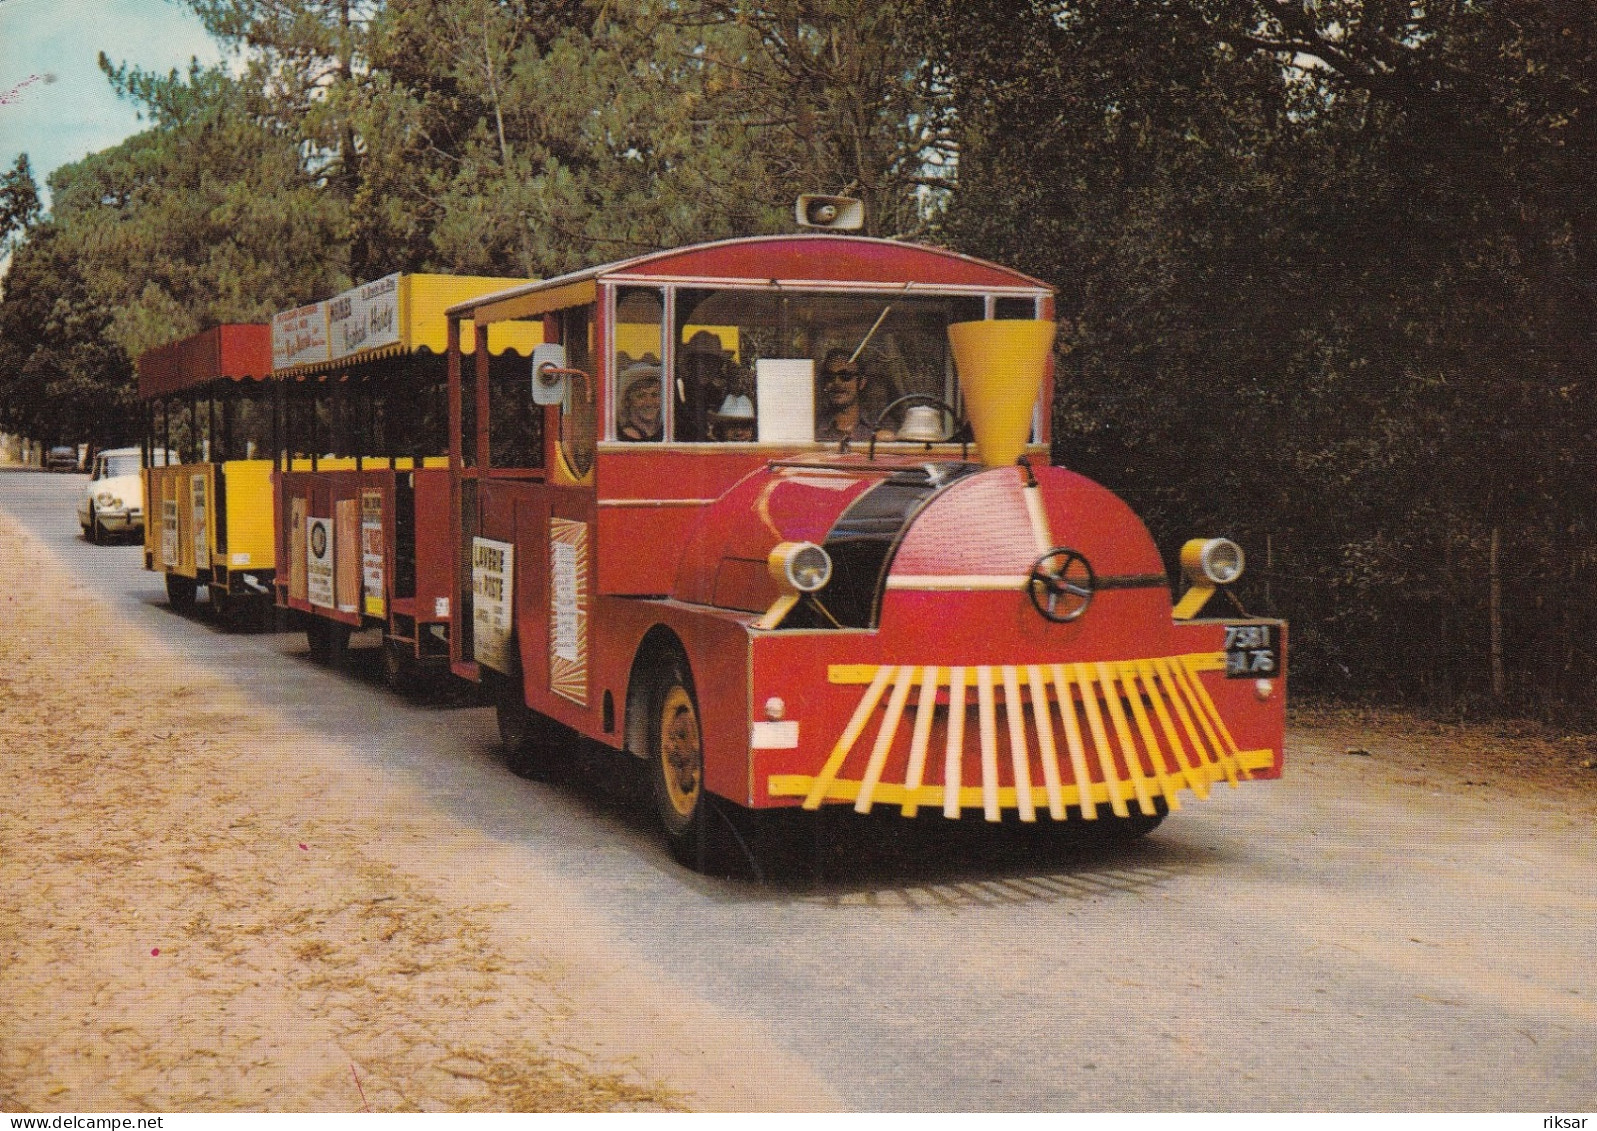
(203, 910)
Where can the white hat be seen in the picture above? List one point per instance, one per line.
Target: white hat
(735, 407)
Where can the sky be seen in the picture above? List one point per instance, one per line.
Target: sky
(55, 104)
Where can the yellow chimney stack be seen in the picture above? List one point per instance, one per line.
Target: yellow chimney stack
(1001, 366)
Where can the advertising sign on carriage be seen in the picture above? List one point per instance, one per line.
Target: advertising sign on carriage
(319, 562)
(364, 318)
(299, 336)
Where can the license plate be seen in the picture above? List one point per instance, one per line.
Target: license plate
(1251, 651)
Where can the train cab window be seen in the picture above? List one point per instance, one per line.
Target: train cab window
(1015, 309)
(639, 395)
(756, 360)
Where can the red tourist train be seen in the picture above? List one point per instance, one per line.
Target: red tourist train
(774, 515)
(758, 546)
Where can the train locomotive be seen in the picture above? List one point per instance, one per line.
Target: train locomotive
(781, 601)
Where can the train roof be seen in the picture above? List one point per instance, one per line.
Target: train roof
(819, 259)
(235, 351)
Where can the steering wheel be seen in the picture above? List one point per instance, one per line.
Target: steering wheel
(1061, 585)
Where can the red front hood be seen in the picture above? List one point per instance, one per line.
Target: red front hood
(910, 525)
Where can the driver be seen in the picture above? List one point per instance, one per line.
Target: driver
(838, 415)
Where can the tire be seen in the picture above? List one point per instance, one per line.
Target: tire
(181, 592)
(233, 611)
(1108, 830)
(329, 642)
(399, 668)
(676, 760)
(533, 743)
(97, 535)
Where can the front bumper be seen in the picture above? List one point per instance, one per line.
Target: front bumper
(120, 521)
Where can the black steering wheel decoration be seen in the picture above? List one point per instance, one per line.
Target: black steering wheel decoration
(1061, 585)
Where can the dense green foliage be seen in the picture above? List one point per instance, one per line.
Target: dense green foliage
(1324, 266)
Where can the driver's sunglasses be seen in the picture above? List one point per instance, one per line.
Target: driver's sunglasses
(842, 375)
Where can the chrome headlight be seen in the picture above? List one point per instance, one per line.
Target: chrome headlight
(107, 501)
(1215, 561)
(802, 565)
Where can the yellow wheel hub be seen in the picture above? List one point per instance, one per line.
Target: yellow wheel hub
(681, 751)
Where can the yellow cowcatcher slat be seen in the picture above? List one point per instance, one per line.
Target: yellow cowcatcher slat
(1019, 755)
(1078, 752)
(987, 722)
(1197, 782)
(1139, 780)
(1128, 678)
(884, 738)
(1047, 751)
(1106, 756)
(1175, 693)
(925, 712)
(1191, 689)
(954, 752)
(1233, 756)
(851, 733)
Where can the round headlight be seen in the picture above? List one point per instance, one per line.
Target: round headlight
(106, 499)
(1218, 561)
(802, 565)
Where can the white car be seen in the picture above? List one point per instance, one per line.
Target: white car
(113, 501)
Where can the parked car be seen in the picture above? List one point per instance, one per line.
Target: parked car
(113, 501)
(62, 458)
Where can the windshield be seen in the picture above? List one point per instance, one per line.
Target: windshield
(777, 365)
(113, 466)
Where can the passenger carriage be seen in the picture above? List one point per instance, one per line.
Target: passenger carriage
(208, 516)
(361, 484)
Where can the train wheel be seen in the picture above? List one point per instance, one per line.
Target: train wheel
(181, 592)
(532, 741)
(677, 749)
(1107, 830)
(329, 642)
(399, 667)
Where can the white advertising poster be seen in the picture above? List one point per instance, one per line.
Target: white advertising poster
(364, 318)
(319, 561)
(568, 609)
(198, 491)
(563, 636)
(371, 550)
(492, 574)
(169, 533)
(299, 337)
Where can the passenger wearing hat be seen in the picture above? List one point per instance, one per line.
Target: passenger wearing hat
(702, 381)
(733, 422)
(638, 410)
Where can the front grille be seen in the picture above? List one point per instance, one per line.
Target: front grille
(1068, 737)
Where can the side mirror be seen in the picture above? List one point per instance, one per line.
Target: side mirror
(548, 374)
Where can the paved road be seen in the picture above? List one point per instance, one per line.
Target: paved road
(1332, 941)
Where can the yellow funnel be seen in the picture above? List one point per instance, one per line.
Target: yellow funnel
(1001, 366)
